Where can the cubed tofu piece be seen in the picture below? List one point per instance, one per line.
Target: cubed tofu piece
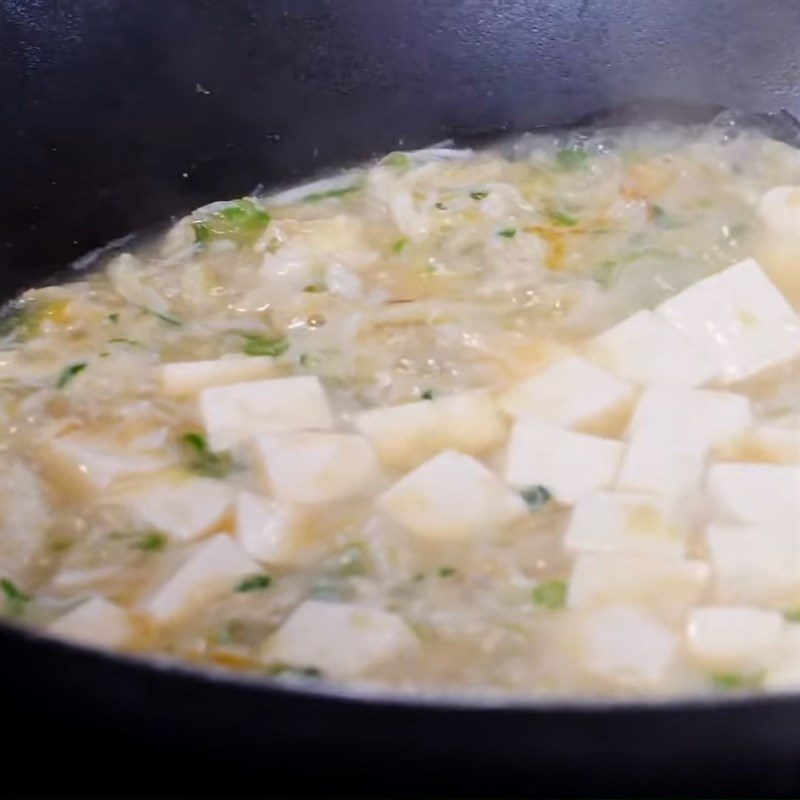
(452, 496)
(95, 622)
(274, 533)
(310, 467)
(211, 568)
(644, 349)
(340, 640)
(239, 411)
(762, 494)
(569, 464)
(783, 673)
(657, 582)
(755, 565)
(627, 646)
(180, 506)
(632, 524)
(671, 434)
(184, 378)
(408, 434)
(780, 211)
(776, 443)
(571, 393)
(733, 637)
(738, 318)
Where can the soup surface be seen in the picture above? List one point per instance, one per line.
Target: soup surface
(522, 420)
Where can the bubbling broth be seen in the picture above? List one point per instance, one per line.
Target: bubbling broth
(520, 420)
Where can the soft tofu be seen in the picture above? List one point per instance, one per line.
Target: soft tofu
(657, 582)
(755, 565)
(733, 637)
(762, 494)
(783, 673)
(671, 434)
(571, 393)
(211, 568)
(239, 411)
(180, 506)
(779, 209)
(633, 524)
(451, 496)
(95, 622)
(340, 640)
(407, 434)
(627, 646)
(183, 378)
(569, 464)
(311, 467)
(644, 349)
(738, 318)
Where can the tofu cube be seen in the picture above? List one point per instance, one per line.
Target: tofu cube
(733, 637)
(95, 622)
(644, 349)
(239, 411)
(180, 506)
(627, 646)
(184, 378)
(779, 209)
(664, 584)
(762, 494)
(211, 568)
(738, 318)
(408, 434)
(569, 464)
(340, 640)
(571, 393)
(783, 673)
(632, 524)
(310, 467)
(671, 434)
(451, 496)
(755, 565)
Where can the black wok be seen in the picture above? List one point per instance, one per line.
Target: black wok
(117, 115)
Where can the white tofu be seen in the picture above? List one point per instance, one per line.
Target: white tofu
(657, 582)
(644, 349)
(755, 565)
(570, 393)
(183, 378)
(407, 434)
(310, 467)
(240, 411)
(95, 622)
(627, 646)
(273, 533)
(569, 464)
(779, 209)
(632, 524)
(340, 640)
(778, 443)
(738, 318)
(733, 637)
(180, 506)
(452, 496)
(783, 673)
(763, 494)
(211, 568)
(671, 434)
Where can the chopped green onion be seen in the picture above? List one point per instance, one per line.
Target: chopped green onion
(507, 233)
(734, 681)
(571, 158)
(257, 345)
(315, 288)
(550, 594)
(114, 318)
(447, 572)
(536, 496)
(607, 273)
(662, 219)
(122, 340)
(315, 197)
(170, 320)
(242, 221)
(428, 394)
(441, 206)
(151, 542)
(560, 218)
(329, 591)
(68, 373)
(16, 599)
(254, 583)
(203, 461)
(353, 560)
(792, 616)
(395, 160)
(288, 671)
(479, 195)
(400, 245)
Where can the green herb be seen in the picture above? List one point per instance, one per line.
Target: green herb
(571, 158)
(151, 542)
(536, 496)
(395, 160)
(447, 572)
(418, 577)
(734, 681)
(257, 345)
(550, 594)
(254, 583)
(479, 195)
(170, 320)
(68, 373)
(113, 318)
(288, 671)
(507, 233)
(399, 245)
(24, 320)
(441, 206)
(663, 219)
(353, 560)
(315, 288)
(560, 218)
(607, 273)
(16, 599)
(428, 394)
(738, 230)
(122, 340)
(329, 591)
(242, 221)
(315, 197)
(792, 616)
(203, 461)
